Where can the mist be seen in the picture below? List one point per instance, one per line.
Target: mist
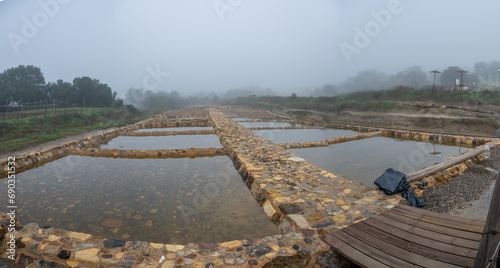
(221, 46)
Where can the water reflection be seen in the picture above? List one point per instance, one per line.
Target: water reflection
(365, 160)
(158, 200)
(303, 135)
(162, 142)
(173, 129)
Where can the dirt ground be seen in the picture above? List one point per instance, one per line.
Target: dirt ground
(416, 117)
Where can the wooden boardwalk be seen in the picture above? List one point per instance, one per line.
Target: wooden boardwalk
(405, 236)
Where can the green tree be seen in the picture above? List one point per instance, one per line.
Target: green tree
(411, 77)
(26, 82)
(449, 76)
(92, 92)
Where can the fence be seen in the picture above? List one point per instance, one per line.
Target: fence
(19, 109)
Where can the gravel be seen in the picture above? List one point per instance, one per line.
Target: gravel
(463, 191)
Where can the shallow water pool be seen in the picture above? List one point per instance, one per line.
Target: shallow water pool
(302, 135)
(173, 129)
(158, 200)
(269, 124)
(162, 142)
(365, 160)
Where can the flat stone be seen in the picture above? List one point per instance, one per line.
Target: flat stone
(284, 226)
(299, 220)
(268, 209)
(80, 236)
(108, 262)
(87, 255)
(83, 246)
(138, 245)
(156, 245)
(231, 244)
(188, 262)
(113, 243)
(290, 208)
(258, 250)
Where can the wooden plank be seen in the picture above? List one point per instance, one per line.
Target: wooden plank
(444, 247)
(393, 250)
(491, 236)
(443, 216)
(373, 252)
(417, 175)
(456, 224)
(352, 253)
(449, 239)
(415, 247)
(432, 227)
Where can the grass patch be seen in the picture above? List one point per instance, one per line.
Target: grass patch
(22, 133)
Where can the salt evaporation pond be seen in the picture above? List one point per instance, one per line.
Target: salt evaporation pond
(269, 124)
(162, 142)
(159, 200)
(246, 118)
(302, 135)
(173, 129)
(365, 160)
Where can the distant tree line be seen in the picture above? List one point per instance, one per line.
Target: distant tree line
(482, 76)
(27, 83)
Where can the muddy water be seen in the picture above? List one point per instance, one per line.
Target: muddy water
(365, 160)
(303, 135)
(163, 142)
(173, 129)
(269, 124)
(159, 200)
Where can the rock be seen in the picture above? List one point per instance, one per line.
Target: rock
(253, 262)
(174, 248)
(64, 254)
(258, 250)
(83, 246)
(87, 255)
(113, 243)
(300, 259)
(284, 227)
(149, 224)
(153, 211)
(290, 208)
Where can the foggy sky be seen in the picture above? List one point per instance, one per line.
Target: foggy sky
(285, 45)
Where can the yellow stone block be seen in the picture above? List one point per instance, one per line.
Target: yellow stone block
(279, 200)
(270, 255)
(345, 207)
(231, 244)
(119, 255)
(26, 240)
(87, 255)
(299, 201)
(338, 218)
(174, 248)
(346, 191)
(328, 200)
(156, 245)
(80, 236)
(340, 202)
(171, 256)
(72, 263)
(268, 209)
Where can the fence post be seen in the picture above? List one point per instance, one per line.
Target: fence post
(487, 253)
(46, 104)
(22, 108)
